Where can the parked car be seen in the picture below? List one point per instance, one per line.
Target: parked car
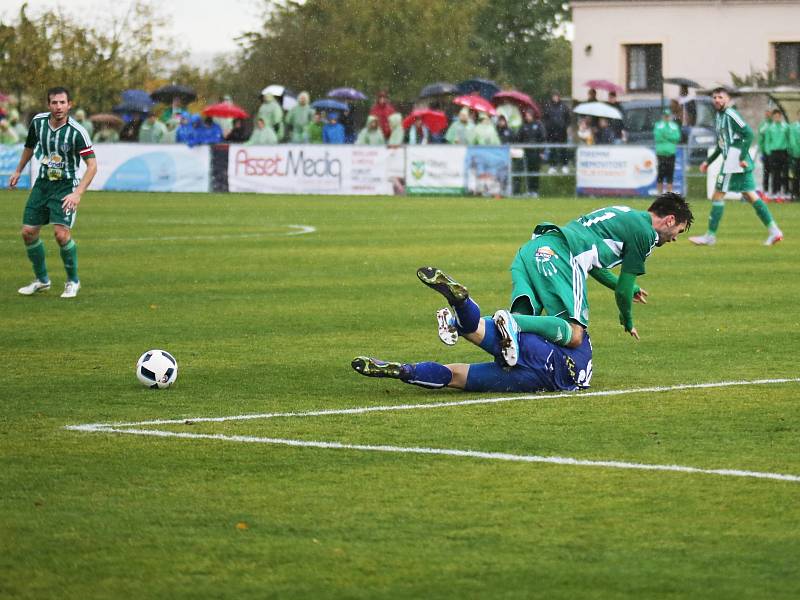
(639, 116)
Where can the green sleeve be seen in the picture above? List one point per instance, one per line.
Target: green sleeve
(32, 139)
(717, 151)
(747, 139)
(675, 134)
(624, 297)
(607, 278)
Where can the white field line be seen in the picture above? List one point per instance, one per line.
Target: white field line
(369, 409)
(131, 429)
(294, 230)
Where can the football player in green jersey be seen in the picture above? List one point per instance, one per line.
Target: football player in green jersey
(60, 142)
(734, 137)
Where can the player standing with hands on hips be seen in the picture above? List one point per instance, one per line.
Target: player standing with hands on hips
(734, 137)
(60, 141)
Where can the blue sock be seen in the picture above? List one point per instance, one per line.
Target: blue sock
(468, 315)
(429, 375)
(490, 341)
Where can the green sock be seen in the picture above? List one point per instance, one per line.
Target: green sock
(36, 255)
(555, 329)
(763, 212)
(717, 208)
(69, 254)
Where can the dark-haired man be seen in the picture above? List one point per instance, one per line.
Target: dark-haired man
(734, 137)
(61, 142)
(549, 272)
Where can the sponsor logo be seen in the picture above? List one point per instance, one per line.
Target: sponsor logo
(544, 255)
(418, 169)
(291, 164)
(55, 167)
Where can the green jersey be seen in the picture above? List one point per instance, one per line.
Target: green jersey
(776, 137)
(794, 141)
(666, 135)
(60, 149)
(732, 132)
(608, 237)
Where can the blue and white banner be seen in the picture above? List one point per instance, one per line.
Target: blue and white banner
(9, 159)
(149, 168)
(623, 171)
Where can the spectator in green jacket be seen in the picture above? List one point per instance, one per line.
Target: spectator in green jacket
(794, 156)
(397, 133)
(462, 130)
(315, 129)
(298, 118)
(152, 130)
(762, 130)
(776, 143)
(272, 113)
(666, 134)
(8, 137)
(80, 117)
(371, 135)
(18, 126)
(262, 135)
(485, 133)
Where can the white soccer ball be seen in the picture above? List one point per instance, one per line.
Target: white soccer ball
(157, 369)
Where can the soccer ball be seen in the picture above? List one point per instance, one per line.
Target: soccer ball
(157, 369)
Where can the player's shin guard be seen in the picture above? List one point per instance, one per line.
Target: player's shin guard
(555, 329)
(717, 208)
(468, 315)
(763, 212)
(69, 254)
(35, 253)
(430, 375)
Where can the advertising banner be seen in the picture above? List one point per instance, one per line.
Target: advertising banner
(9, 159)
(436, 169)
(313, 169)
(149, 168)
(623, 171)
(487, 170)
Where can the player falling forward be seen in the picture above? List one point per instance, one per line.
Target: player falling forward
(61, 142)
(541, 367)
(734, 137)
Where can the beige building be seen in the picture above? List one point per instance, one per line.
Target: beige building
(636, 43)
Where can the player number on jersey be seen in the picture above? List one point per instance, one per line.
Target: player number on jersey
(603, 217)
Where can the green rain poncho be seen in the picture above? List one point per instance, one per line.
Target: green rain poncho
(485, 133)
(398, 133)
(371, 137)
(264, 136)
(461, 132)
(152, 133)
(299, 118)
(80, 117)
(272, 113)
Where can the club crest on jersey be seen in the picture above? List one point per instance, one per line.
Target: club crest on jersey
(65, 147)
(544, 256)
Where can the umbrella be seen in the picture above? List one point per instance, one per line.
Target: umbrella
(483, 87)
(107, 119)
(682, 81)
(167, 93)
(274, 90)
(131, 108)
(476, 103)
(440, 88)
(327, 104)
(434, 120)
(597, 109)
(518, 98)
(137, 98)
(602, 84)
(227, 110)
(346, 93)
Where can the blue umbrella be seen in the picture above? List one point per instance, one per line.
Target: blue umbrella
(485, 88)
(326, 104)
(346, 93)
(135, 101)
(440, 88)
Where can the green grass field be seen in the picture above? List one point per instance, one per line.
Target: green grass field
(265, 322)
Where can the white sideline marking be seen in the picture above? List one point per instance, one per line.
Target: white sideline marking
(131, 428)
(296, 230)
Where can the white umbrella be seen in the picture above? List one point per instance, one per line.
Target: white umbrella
(275, 90)
(288, 102)
(597, 109)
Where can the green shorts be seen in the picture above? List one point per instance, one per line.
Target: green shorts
(735, 182)
(44, 204)
(546, 279)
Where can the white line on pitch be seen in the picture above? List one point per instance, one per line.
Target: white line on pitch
(369, 409)
(557, 460)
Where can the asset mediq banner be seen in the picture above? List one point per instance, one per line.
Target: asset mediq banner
(623, 171)
(313, 169)
(149, 168)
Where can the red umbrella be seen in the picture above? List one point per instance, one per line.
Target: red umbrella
(434, 120)
(475, 103)
(226, 110)
(603, 84)
(518, 98)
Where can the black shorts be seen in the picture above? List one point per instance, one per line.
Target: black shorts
(666, 168)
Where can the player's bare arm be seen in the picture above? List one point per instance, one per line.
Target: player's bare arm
(72, 200)
(27, 154)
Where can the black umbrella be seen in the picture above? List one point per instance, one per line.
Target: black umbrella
(682, 81)
(166, 93)
(440, 88)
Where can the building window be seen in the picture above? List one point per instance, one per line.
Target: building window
(787, 62)
(644, 67)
